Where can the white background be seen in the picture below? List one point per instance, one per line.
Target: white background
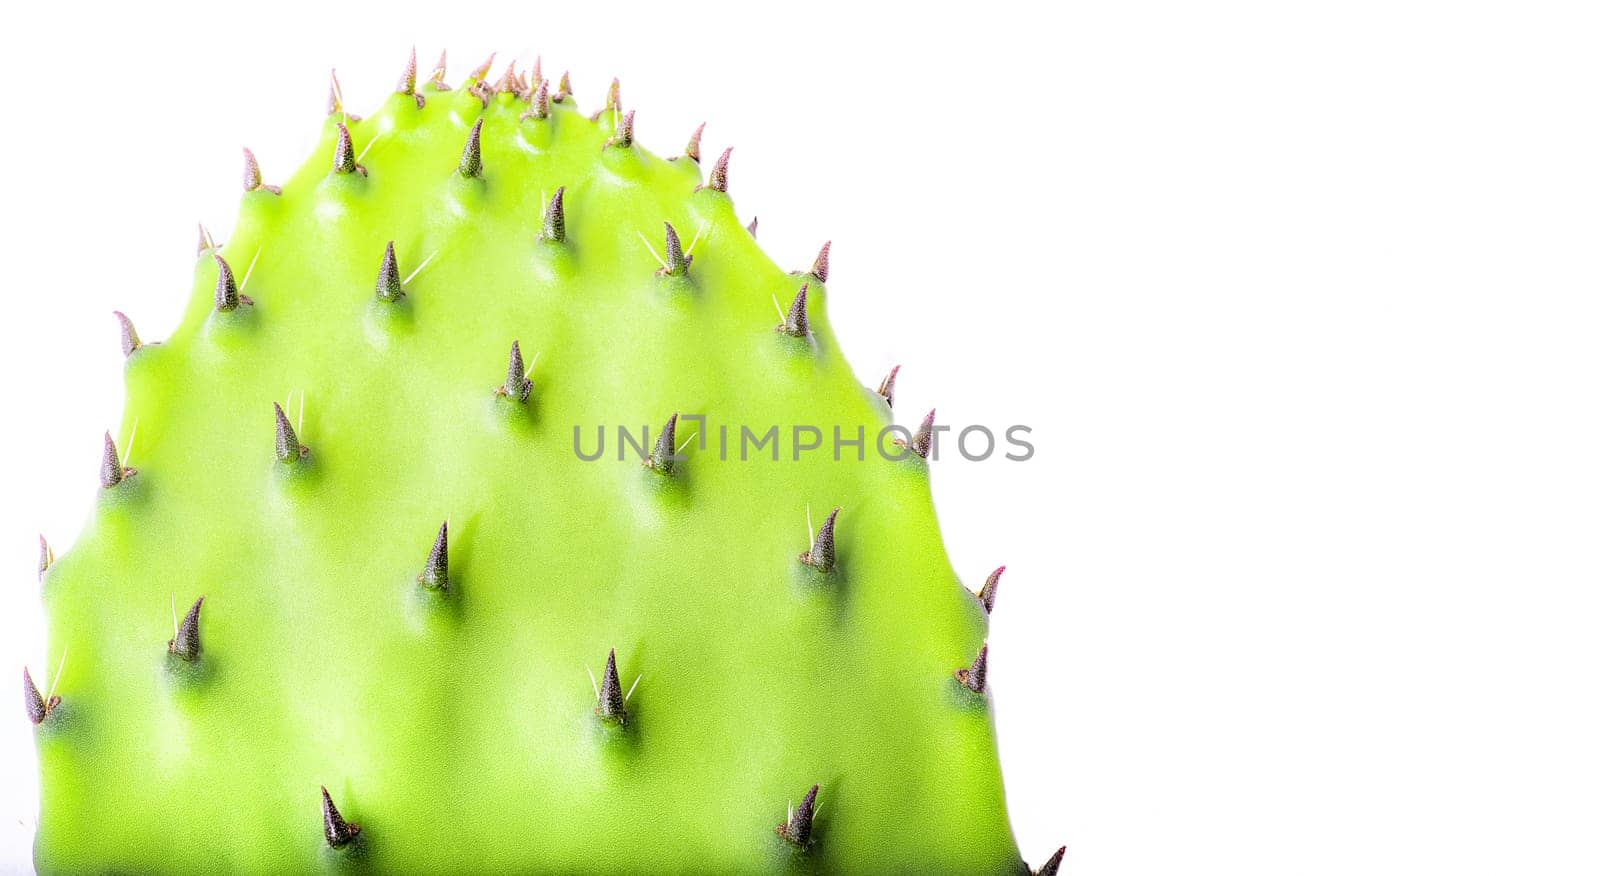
(1300, 300)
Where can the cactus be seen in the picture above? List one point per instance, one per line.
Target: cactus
(407, 566)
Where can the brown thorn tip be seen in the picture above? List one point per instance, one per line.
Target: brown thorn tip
(797, 324)
(335, 829)
(564, 88)
(718, 180)
(471, 154)
(227, 292)
(540, 102)
(288, 445)
(677, 264)
(408, 79)
(436, 574)
(334, 104)
(612, 703)
(624, 136)
(508, 80)
(130, 338)
(336, 99)
(693, 149)
(1052, 866)
(886, 388)
(186, 644)
(922, 441)
(664, 456)
(797, 830)
(821, 554)
(517, 385)
(344, 153)
(555, 218)
(36, 706)
(252, 171)
(438, 73)
(975, 676)
(483, 69)
(754, 221)
(47, 557)
(111, 470)
(32, 702)
(388, 287)
(991, 586)
(819, 267)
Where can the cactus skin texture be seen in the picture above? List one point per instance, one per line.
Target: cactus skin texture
(448, 703)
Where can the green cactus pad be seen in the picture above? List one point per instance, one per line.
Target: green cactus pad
(448, 685)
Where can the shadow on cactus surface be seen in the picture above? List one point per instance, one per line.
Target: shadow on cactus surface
(349, 600)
